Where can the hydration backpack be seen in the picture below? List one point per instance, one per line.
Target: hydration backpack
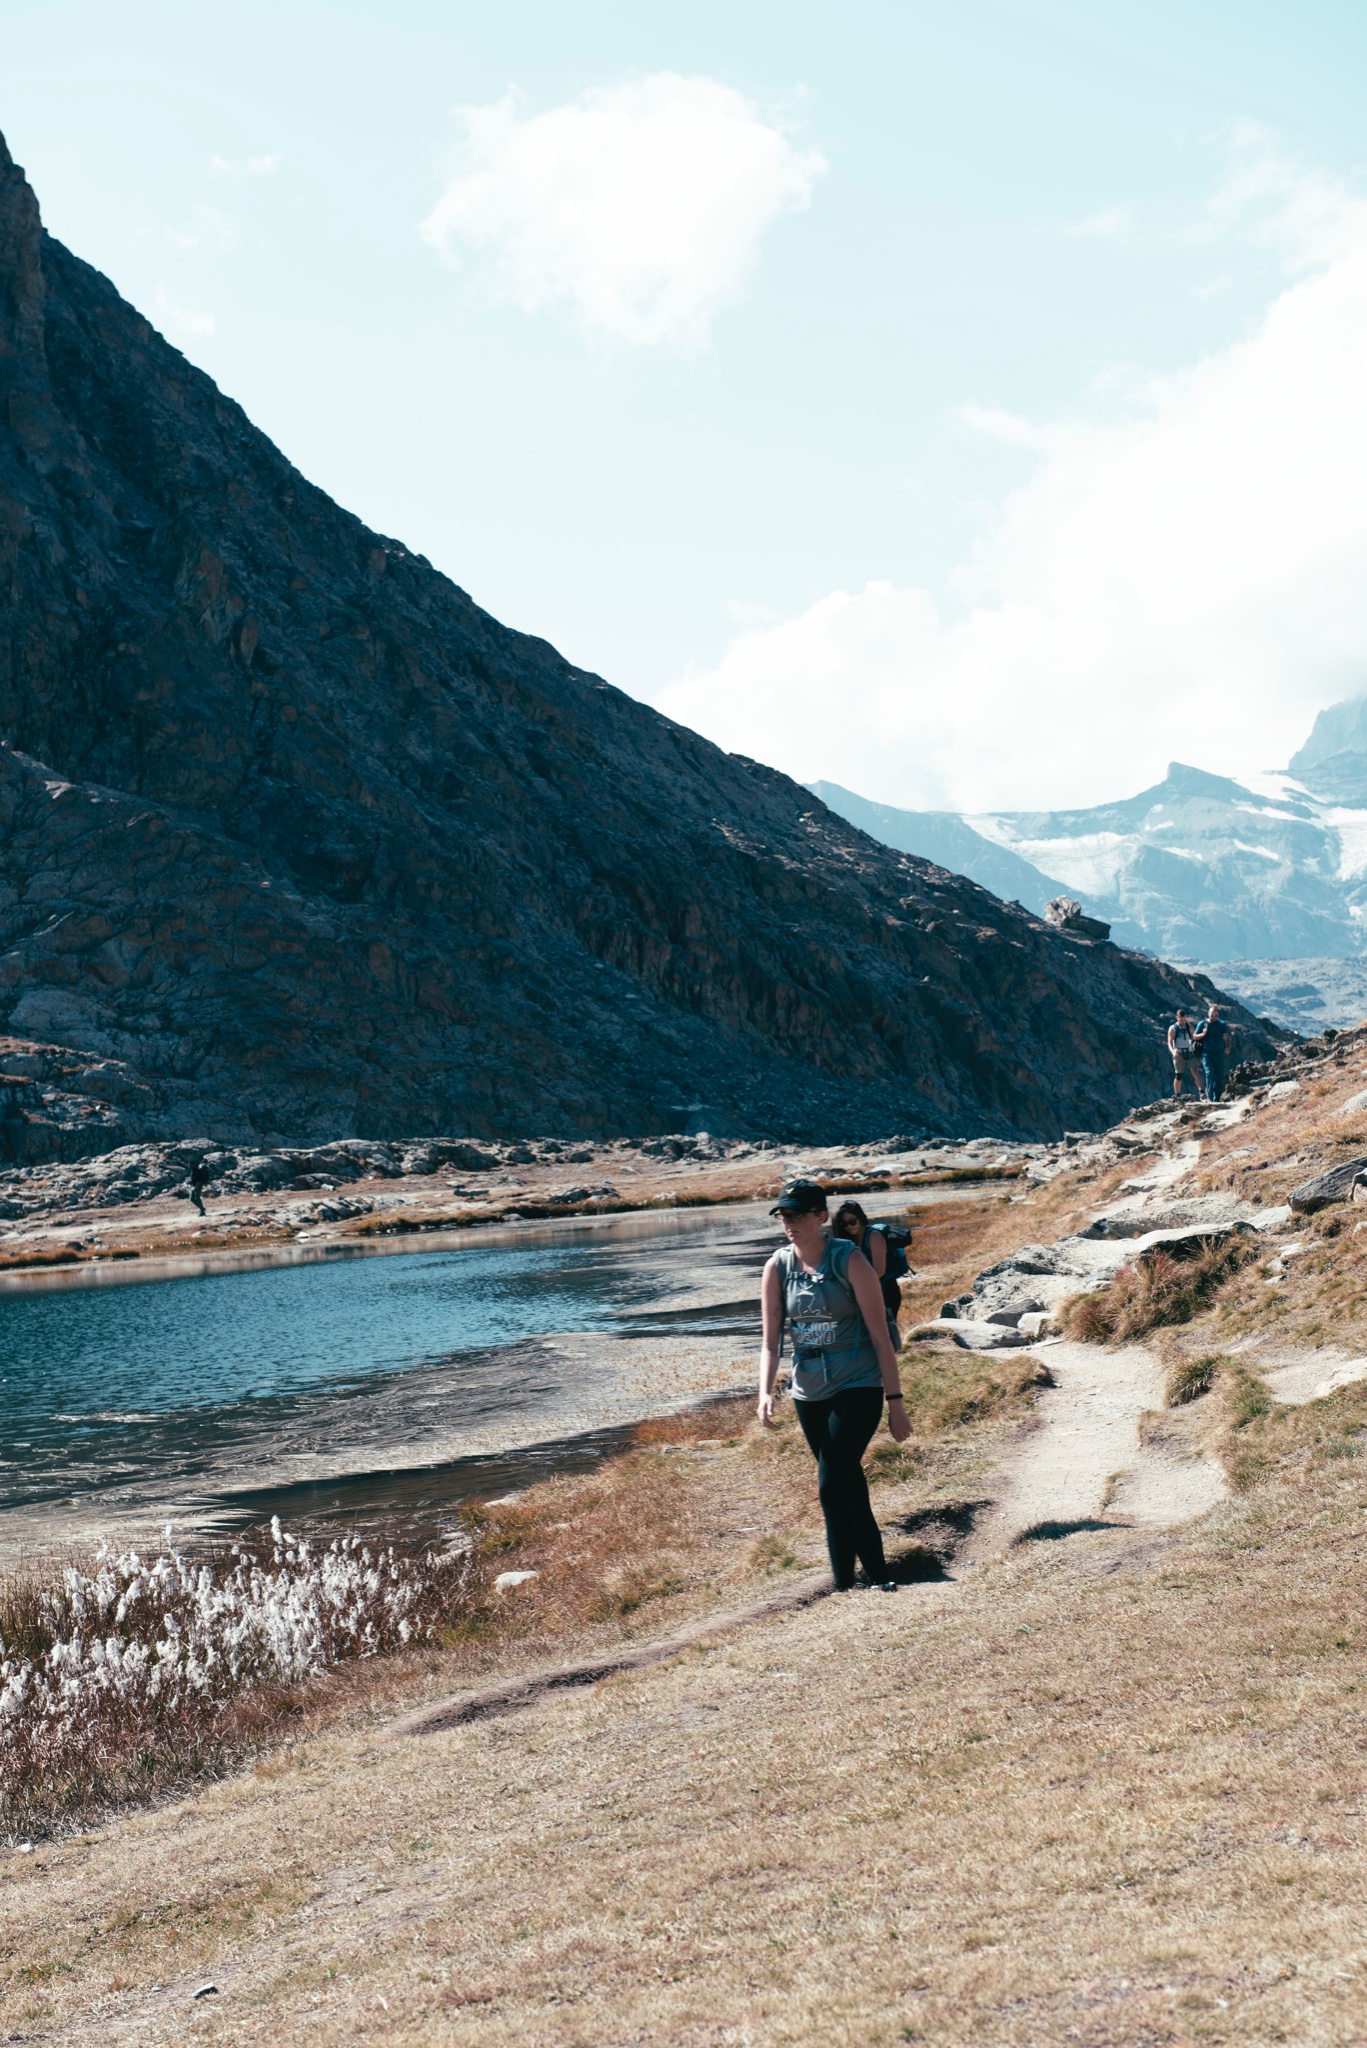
(896, 1241)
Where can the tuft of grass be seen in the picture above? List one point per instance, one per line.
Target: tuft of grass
(950, 1389)
(719, 1421)
(1190, 1378)
(773, 1554)
(1155, 1291)
(627, 1587)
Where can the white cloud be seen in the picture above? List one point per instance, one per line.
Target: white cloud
(1184, 582)
(210, 229)
(245, 167)
(997, 425)
(182, 322)
(1109, 224)
(641, 206)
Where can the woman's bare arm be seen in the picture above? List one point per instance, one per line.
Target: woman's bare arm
(869, 1295)
(771, 1302)
(876, 1251)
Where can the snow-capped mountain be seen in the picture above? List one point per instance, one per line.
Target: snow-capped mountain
(1249, 879)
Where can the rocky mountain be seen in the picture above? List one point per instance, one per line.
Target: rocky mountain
(1301, 995)
(298, 843)
(1333, 761)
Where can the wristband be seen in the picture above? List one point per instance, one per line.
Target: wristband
(898, 1396)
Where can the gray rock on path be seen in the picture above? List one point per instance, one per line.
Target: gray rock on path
(1041, 1276)
(1138, 1219)
(972, 1335)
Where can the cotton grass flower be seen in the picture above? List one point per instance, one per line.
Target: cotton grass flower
(109, 1672)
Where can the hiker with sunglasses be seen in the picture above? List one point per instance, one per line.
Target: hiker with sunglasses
(884, 1246)
(822, 1291)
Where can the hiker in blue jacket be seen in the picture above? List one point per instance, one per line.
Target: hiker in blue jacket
(824, 1294)
(1212, 1044)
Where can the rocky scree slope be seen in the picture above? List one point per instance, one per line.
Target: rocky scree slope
(299, 843)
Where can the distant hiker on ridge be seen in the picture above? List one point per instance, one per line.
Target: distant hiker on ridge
(1212, 1043)
(884, 1246)
(1182, 1046)
(199, 1180)
(826, 1294)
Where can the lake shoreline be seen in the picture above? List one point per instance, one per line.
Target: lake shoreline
(133, 1266)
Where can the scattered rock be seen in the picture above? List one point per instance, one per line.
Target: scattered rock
(1138, 1219)
(507, 1580)
(1014, 1316)
(1066, 914)
(1335, 1186)
(970, 1335)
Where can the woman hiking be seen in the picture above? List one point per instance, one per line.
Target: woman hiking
(872, 1239)
(826, 1294)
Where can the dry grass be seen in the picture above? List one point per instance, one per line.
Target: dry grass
(705, 1508)
(1154, 1291)
(667, 1530)
(1264, 1442)
(1104, 1792)
(951, 1390)
(1189, 1379)
(1316, 1297)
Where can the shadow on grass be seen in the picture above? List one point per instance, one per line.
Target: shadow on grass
(941, 1529)
(1052, 1532)
(916, 1566)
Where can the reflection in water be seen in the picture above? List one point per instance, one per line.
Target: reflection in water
(103, 1389)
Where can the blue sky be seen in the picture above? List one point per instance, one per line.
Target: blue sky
(921, 488)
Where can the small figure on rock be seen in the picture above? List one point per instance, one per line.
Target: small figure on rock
(825, 1293)
(199, 1180)
(1185, 1058)
(884, 1245)
(1213, 1038)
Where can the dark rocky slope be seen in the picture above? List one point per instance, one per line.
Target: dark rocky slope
(298, 842)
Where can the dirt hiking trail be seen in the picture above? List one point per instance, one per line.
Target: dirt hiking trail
(1082, 1456)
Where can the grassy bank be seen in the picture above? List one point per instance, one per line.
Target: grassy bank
(123, 1678)
(1106, 1792)
(1103, 1790)
(705, 1510)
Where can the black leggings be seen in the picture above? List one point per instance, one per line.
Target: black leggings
(839, 1431)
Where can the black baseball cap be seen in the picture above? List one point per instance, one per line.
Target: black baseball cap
(799, 1198)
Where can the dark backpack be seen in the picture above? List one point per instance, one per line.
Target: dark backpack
(896, 1239)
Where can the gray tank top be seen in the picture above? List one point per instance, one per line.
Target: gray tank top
(832, 1348)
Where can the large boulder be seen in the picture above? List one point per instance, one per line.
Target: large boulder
(1335, 1186)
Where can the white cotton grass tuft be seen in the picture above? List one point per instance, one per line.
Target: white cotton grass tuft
(109, 1672)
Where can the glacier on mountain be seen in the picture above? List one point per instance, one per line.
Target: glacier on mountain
(1264, 882)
